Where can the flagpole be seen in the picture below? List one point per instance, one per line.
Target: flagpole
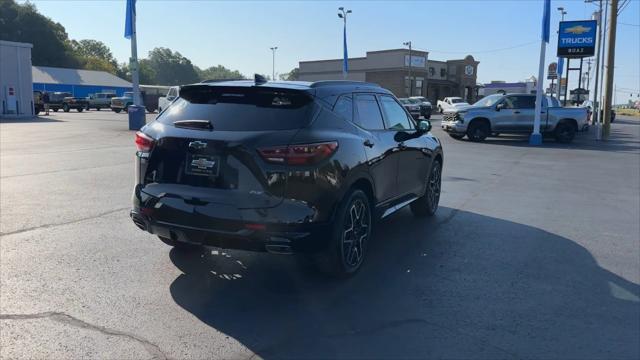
(135, 77)
(536, 137)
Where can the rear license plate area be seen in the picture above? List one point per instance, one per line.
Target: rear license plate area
(202, 165)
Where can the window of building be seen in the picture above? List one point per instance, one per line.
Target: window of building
(395, 116)
(432, 71)
(443, 72)
(369, 116)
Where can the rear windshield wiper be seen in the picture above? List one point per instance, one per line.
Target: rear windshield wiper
(194, 124)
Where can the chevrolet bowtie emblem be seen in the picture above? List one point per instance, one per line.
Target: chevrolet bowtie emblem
(197, 145)
(203, 163)
(578, 29)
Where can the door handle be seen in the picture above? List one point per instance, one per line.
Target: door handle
(368, 143)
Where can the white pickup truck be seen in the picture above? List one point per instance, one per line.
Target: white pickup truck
(164, 101)
(452, 103)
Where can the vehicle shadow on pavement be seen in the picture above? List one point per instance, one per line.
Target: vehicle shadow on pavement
(460, 285)
(38, 119)
(619, 141)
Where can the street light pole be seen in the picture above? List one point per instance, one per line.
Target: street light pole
(342, 14)
(408, 43)
(273, 66)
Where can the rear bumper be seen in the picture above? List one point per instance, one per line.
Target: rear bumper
(307, 238)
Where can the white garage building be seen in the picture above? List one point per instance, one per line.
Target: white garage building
(16, 85)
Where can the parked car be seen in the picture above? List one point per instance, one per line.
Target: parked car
(38, 105)
(412, 107)
(78, 103)
(589, 106)
(120, 103)
(514, 113)
(287, 167)
(56, 100)
(425, 105)
(99, 101)
(452, 103)
(164, 101)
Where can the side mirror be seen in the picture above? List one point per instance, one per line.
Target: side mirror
(499, 107)
(424, 126)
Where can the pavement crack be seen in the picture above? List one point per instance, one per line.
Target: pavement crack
(63, 318)
(63, 223)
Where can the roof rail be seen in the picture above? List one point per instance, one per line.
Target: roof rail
(341, 82)
(209, 81)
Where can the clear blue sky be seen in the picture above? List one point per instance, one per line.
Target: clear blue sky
(238, 34)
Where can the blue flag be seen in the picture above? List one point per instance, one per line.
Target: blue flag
(131, 14)
(546, 21)
(345, 64)
(560, 66)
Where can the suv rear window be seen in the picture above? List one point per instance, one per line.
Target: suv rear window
(241, 108)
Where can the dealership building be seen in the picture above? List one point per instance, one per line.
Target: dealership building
(390, 69)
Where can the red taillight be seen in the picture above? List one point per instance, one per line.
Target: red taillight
(144, 142)
(300, 154)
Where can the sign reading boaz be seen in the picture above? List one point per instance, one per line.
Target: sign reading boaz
(577, 39)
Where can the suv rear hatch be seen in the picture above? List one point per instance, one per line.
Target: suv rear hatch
(220, 147)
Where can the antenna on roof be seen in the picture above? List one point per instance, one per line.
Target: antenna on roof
(259, 79)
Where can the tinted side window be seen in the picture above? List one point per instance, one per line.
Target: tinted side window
(369, 116)
(520, 102)
(394, 115)
(344, 107)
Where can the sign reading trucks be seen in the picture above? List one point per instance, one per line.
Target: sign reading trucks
(577, 39)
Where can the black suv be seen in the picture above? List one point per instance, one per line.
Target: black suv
(283, 167)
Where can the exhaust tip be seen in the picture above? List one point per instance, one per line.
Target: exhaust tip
(279, 249)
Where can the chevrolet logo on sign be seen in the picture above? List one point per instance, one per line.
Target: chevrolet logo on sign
(578, 29)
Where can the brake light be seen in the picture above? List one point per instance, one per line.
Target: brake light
(299, 154)
(144, 142)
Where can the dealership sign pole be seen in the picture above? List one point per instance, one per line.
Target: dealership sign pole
(130, 33)
(536, 137)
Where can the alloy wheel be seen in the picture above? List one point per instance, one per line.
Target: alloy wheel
(433, 191)
(356, 232)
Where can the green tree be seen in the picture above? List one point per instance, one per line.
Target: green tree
(219, 73)
(291, 75)
(171, 68)
(93, 49)
(23, 23)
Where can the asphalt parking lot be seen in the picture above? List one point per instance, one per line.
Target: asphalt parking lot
(534, 253)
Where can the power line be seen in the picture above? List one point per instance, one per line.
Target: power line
(485, 51)
(621, 23)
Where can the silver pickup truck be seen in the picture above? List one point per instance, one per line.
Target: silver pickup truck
(513, 113)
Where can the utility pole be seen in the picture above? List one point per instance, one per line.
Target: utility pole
(273, 66)
(611, 57)
(601, 80)
(408, 43)
(596, 106)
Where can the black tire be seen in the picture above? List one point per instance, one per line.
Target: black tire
(65, 108)
(427, 204)
(97, 108)
(179, 244)
(439, 109)
(117, 110)
(37, 111)
(495, 134)
(79, 109)
(478, 131)
(55, 109)
(348, 241)
(565, 132)
(456, 136)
